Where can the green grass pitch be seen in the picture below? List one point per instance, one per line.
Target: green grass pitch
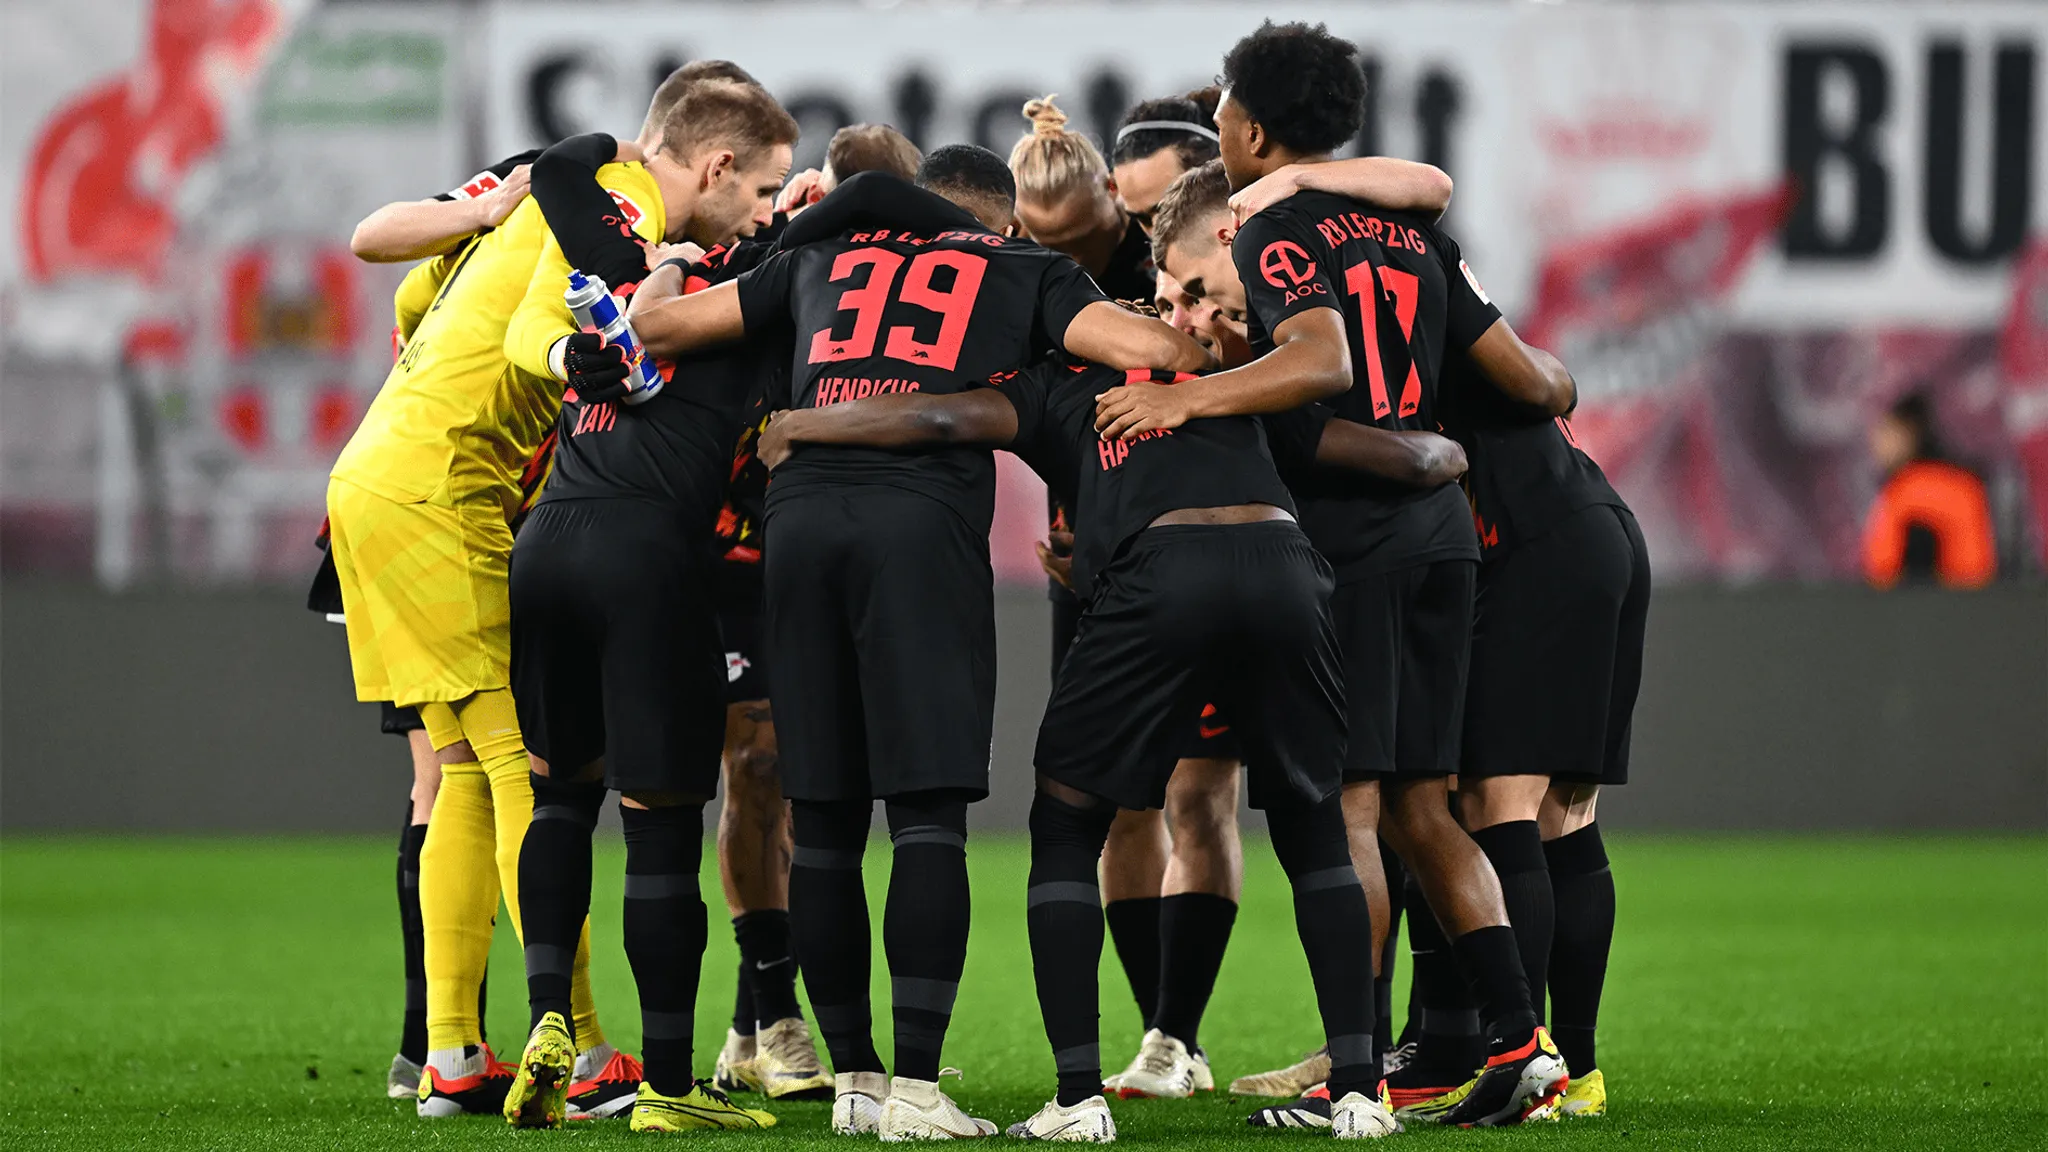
(1765, 993)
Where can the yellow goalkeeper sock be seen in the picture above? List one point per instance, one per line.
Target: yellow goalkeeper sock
(458, 899)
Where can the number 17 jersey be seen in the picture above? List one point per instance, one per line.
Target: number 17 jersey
(1395, 278)
(936, 307)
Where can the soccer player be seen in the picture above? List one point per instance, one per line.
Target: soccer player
(852, 150)
(1156, 884)
(419, 504)
(1562, 602)
(879, 592)
(768, 1048)
(1067, 202)
(401, 231)
(1156, 142)
(617, 666)
(1200, 587)
(1333, 283)
(1195, 206)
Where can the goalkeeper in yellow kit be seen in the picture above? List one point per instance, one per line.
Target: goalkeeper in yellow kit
(419, 504)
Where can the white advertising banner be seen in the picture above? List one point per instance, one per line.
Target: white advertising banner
(1913, 135)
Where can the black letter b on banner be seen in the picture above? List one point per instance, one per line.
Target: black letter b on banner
(1821, 150)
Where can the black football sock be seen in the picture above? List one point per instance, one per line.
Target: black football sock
(1448, 1043)
(743, 1000)
(1064, 916)
(1516, 850)
(1194, 931)
(828, 916)
(1335, 925)
(924, 928)
(770, 963)
(554, 889)
(1492, 964)
(665, 932)
(1383, 983)
(1584, 887)
(412, 1034)
(1134, 928)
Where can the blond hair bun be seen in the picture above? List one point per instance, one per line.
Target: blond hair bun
(1045, 116)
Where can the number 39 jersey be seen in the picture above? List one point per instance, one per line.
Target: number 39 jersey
(938, 306)
(1406, 300)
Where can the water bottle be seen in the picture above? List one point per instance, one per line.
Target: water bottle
(595, 308)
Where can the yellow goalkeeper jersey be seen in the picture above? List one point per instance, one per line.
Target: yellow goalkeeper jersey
(417, 291)
(471, 398)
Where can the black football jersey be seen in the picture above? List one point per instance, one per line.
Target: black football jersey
(1390, 276)
(915, 297)
(1118, 487)
(1526, 471)
(676, 449)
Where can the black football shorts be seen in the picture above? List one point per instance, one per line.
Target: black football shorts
(1557, 652)
(1066, 617)
(396, 721)
(1211, 737)
(881, 645)
(1406, 637)
(615, 646)
(739, 622)
(1192, 615)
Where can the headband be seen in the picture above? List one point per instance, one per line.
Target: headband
(1167, 126)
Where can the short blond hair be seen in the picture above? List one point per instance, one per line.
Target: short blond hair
(740, 117)
(670, 92)
(1193, 197)
(859, 148)
(1050, 161)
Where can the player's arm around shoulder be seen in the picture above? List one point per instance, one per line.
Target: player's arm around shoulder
(415, 229)
(1403, 185)
(1473, 324)
(1103, 332)
(1523, 371)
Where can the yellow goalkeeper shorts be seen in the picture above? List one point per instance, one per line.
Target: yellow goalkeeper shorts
(424, 593)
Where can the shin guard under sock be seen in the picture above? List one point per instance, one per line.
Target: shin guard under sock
(665, 933)
(1194, 931)
(1448, 1041)
(828, 916)
(768, 963)
(1516, 851)
(412, 1033)
(924, 927)
(1134, 930)
(554, 889)
(1584, 888)
(1335, 925)
(1063, 912)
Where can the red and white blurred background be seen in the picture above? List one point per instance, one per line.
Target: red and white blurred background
(1748, 228)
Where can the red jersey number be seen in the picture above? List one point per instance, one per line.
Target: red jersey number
(1369, 283)
(953, 305)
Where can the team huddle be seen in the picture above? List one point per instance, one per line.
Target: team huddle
(1318, 528)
